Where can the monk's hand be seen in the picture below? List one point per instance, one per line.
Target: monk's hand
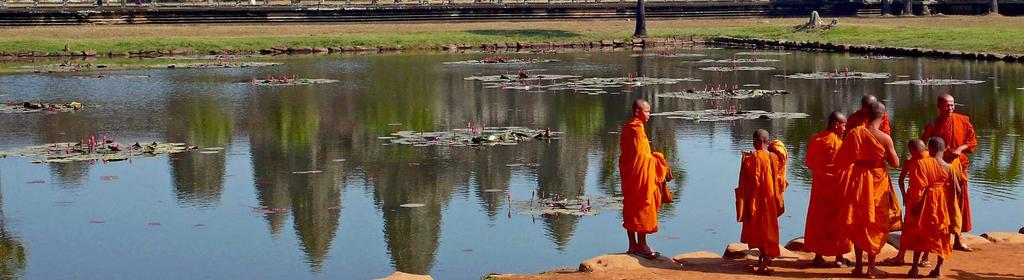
(668, 177)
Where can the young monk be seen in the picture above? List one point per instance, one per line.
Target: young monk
(823, 231)
(762, 181)
(958, 132)
(863, 115)
(868, 204)
(643, 172)
(918, 151)
(931, 180)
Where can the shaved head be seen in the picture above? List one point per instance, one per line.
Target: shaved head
(877, 111)
(915, 146)
(761, 138)
(640, 103)
(867, 100)
(836, 117)
(641, 110)
(946, 104)
(936, 145)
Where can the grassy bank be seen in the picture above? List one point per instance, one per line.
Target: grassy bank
(984, 34)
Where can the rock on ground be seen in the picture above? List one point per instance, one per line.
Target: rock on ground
(894, 239)
(971, 240)
(698, 258)
(398, 275)
(742, 251)
(625, 261)
(796, 245)
(1004, 237)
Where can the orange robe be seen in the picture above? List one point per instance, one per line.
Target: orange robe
(956, 130)
(927, 208)
(910, 221)
(823, 232)
(863, 117)
(642, 173)
(869, 207)
(760, 189)
(960, 202)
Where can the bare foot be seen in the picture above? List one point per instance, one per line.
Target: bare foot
(893, 261)
(857, 272)
(875, 273)
(925, 264)
(764, 270)
(913, 273)
(818, 262)
(935, 273)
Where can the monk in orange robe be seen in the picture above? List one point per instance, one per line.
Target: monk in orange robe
(823, 231)
(931, 180)
(643, 174)
(759, 195)
(918, 151)
(958, 133)
(862, 115)
(869, 204)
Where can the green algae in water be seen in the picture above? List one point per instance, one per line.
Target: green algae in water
(72, 152)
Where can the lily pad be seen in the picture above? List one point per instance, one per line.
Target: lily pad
(412, 205)
(499, 60)
(109, 178)
(111, 151)
(291, 82)
(30, 107)
(737, 68)
(581, 206)
(668, 54)
(215, 64)
(836, 75)
(466, 137)
(936, 82)
(877, 57)
(762, 53)
(712, 115)
(722, 94)
(307, 172)
(739, 60)
(63, 68)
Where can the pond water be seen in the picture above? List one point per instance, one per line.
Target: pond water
(242, 213)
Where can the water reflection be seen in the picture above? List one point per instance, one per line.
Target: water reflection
(12, 252)
(334, 129)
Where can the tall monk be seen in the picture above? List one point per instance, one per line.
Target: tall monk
(643, 175)
(958, 133)
(759, 197)
(823, 232)
(918, 151)
(863, 115)
(931, 180)
(869, 204)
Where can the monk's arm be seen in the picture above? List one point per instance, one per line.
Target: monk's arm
(970, 140)
(890, 155)
(903, 186)
(954, 182)
(743, 186)
(928, 131)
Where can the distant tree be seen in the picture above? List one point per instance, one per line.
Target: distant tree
(886, 7)
(993, 7)
(641, 20)
(908, 7)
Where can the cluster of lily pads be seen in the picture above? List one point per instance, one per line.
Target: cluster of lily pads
(216, 64)
(755, 53)
(737, 68)
(723, 93)
(290, 82)
(712, 115)
(463, 137)
(668, 54)
(877, 57)
(579, 206)
(501, 60)
(63, 68)
(837, 75)
(29, 107)
(739, 60)
(90, 151)
(935, 82)
(571, 83)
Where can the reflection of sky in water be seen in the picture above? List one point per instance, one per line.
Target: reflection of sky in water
(347, 221)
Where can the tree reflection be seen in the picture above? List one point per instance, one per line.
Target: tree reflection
(201, 121)
(13, 254)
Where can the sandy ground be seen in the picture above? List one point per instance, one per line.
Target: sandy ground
(989, 261)
(590, 27)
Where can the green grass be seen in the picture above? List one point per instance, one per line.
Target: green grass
(1000, 35)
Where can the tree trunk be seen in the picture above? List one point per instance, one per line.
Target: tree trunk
(886, 8)
(908, 7)
(641, 20)
(993, 7)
